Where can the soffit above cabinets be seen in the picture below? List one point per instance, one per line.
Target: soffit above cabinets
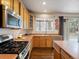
(52, 6)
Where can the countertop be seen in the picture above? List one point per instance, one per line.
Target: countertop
(45, 35)
(71, 47)
(8, 56)
(24, 38)
(29, 37)
(14, 56)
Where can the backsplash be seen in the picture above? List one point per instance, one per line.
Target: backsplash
(14, 32)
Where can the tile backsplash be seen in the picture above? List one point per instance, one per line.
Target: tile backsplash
(14, 32)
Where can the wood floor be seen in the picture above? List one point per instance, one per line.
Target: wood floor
(42, 53)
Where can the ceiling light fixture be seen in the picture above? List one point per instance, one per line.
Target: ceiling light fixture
(44, 3)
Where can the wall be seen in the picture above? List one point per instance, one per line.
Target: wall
(14, 32)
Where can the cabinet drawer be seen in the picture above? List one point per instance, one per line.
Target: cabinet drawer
(56, 47)
(65, 55)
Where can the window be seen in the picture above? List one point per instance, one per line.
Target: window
(46, 25)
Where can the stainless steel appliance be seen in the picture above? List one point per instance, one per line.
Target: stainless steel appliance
(8, 46)
(9, 18)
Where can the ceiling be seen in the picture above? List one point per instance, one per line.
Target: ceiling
(52, 6)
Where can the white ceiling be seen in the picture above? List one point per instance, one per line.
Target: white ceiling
(52, 6)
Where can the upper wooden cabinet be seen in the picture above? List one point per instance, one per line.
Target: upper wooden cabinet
(31, 19)
(11, 5)
(21, 10)
(8, 3)
(31, 22)
(0, 1)
(25, 18)
(16, 6)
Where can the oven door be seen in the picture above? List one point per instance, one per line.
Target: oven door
(25, 53)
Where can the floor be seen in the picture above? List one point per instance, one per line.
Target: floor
(42, 53)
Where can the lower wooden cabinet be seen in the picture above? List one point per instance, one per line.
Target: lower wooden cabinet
(60, 53)
(49, 41)
(57, 55)
(36, 41)
(64, 55)
(57, 51)
(42, 41)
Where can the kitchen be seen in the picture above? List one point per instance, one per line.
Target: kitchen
(39, 29)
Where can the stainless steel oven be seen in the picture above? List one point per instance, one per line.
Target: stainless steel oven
(25, 52)
(9, 18)
(8, 46)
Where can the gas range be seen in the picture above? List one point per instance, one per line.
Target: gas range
(8, 46)
(14, 47)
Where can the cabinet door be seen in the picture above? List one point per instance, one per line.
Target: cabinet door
(49, 41)
(57, 55)
(57, 51)
(27, 18)
(21, 10)
(36, 41)
(11, 5)
(8, 3)
(64, 55)
(16, 6)
(0, 1)
(31, 22)
(25, 27)
(42, 41)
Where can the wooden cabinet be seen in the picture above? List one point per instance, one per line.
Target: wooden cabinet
(8, 3)
(31, 22)
(16, 6)
(24, 19)
(0, 1)
(36, 41)
(49, 41)
(21, 10)
(57, 51)
(11, 5)
(3, 2)
(42, 41)
(27, 18)
(57, 55)
(64, 55)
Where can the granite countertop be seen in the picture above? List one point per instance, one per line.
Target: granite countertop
(71, 47)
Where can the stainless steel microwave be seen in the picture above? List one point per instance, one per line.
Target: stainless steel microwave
(9, 18)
